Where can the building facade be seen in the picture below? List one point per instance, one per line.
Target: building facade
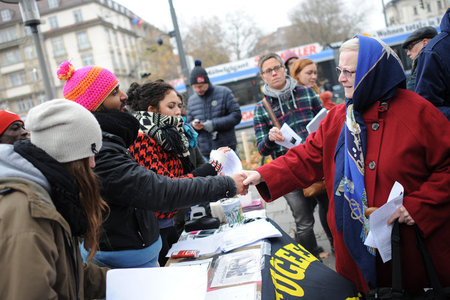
(407, 11)
(87, 32)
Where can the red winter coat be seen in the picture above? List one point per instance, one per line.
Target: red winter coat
(408, 140)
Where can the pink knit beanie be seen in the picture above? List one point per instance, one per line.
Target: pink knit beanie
(88, 86)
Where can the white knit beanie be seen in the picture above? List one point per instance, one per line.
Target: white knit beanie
(64, 129)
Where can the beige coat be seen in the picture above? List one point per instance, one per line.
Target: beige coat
(36, 260)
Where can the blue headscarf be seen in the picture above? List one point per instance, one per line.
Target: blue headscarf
(378, 75)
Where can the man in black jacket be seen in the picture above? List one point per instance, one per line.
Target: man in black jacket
(133, 193)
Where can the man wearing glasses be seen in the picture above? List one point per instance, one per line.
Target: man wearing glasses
(295, 105)
(413, 44)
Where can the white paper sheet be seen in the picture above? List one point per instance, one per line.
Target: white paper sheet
(380, 232)
(291, 138)
(206, 245)
(157, 283)
(232, 164)
(313, 125)
(239, 292)
(248, 233)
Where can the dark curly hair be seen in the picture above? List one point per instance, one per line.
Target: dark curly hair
(140, 97)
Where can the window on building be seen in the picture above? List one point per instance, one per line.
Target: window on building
(29, 52)
(9, 34)
(53, 3)
(439, 5)
(122, 65)
(6, 15)
(114, 61)
(12, 57)
(83, 41)
(77, 16)
(27, 30)
(391, 21)
(58, 46)
(415, 10)
(34, 73)
(428, 7)
(41, 98)
(110, 3)
(108, 36)
(53, 21)
(25, 104)
(88, 59)
(17, 78)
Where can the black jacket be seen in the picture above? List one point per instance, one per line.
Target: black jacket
(134, 192)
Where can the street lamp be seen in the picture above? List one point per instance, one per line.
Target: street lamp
(31, 17)
(184, 67)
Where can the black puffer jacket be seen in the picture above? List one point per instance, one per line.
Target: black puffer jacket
(133, 192)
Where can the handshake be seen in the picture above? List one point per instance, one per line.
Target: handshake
(244, 179)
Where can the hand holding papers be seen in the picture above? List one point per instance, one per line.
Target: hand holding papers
(232, 164)
(380, 232)
(291, 139)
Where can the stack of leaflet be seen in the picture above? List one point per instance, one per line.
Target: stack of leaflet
(229, 239)
(253, 205)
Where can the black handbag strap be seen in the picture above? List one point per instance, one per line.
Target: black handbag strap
(396, 258)
(428, 263)
(429, 267)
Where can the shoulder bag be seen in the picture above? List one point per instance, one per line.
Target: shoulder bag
(396, 292)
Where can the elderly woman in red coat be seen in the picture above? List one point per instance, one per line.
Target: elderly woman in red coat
(382, 134)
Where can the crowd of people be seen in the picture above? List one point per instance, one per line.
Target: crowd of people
(94, 181)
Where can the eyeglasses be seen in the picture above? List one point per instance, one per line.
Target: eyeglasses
(276, 69)
(347, 73)
(410, 46)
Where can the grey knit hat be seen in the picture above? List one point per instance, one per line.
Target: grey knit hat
(64, 129)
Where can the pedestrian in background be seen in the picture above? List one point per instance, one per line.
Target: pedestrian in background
(213, 112)
(413, 45)
(304, 71)
(362, 148)
(296, 106)
(49, 200)
(289, 59)
(433, 69)
(12, 128)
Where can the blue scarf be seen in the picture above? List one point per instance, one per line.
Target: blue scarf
(190, 133)
(378, 75)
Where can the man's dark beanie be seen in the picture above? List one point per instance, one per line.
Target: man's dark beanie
(427, 32)
(198, 74)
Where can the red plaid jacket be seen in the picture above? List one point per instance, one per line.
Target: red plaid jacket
(147, 152)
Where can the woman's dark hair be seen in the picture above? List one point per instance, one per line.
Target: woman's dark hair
(92, 202)
(140, 97)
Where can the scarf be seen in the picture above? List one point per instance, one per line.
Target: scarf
(168, 132)
(119, 123)
(284, 94)
(190, 133)
(64, 189)
(378, 75)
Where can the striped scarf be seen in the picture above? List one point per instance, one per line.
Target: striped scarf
(167, 131)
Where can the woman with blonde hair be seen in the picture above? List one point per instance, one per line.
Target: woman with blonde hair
(49, 200)
(304, 71)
